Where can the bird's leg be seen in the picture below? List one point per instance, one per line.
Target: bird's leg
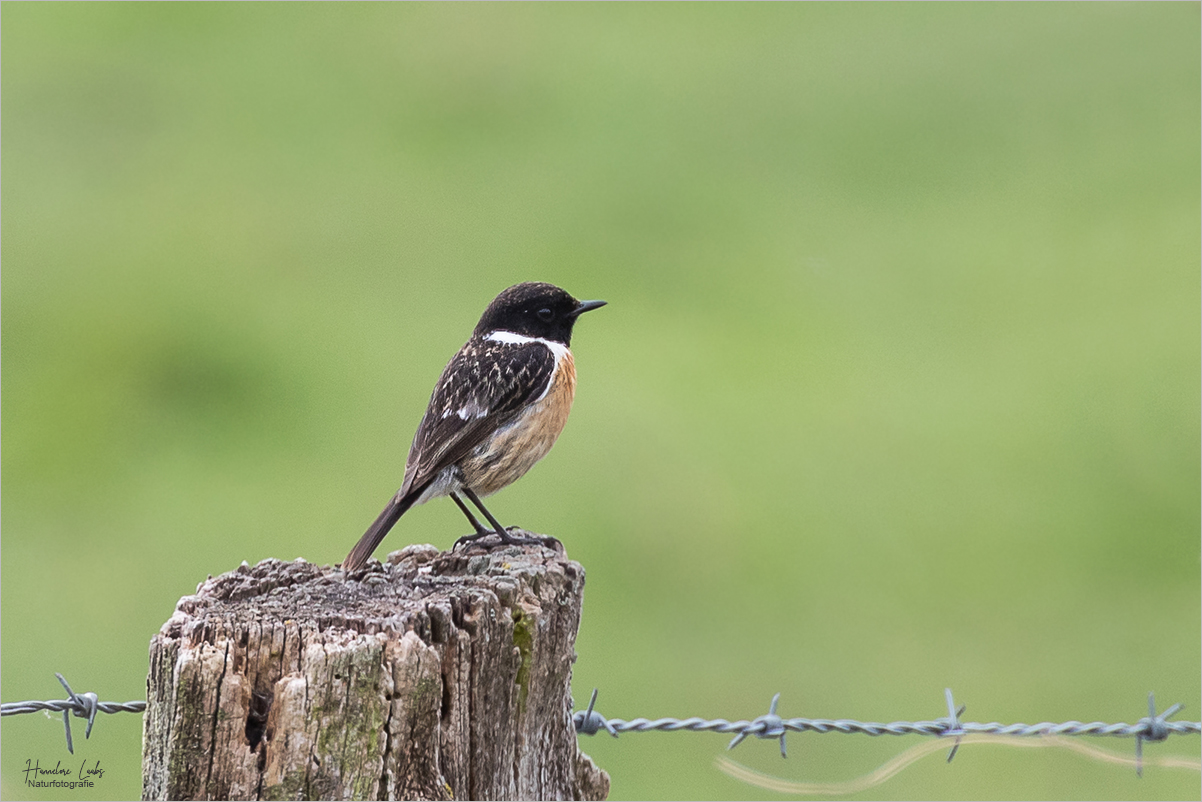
(506, 538)
(481, 531)
(499, 530)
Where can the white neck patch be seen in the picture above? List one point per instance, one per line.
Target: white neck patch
(513, 338)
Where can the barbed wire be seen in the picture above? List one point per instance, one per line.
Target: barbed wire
(82, 705)
(1153, 727)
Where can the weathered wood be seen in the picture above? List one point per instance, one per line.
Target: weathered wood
(435, 675)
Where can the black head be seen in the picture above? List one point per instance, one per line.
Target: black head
(534, 309)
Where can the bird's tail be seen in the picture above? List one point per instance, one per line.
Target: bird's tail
(378, 529)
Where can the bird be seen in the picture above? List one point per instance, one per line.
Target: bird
(495, 411)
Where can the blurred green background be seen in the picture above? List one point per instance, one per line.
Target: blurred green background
(897, 390)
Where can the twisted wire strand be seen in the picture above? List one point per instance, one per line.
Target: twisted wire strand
(1154, 727)
(937, 728)
(57, 705)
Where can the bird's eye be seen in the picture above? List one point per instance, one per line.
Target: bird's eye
(545, 315)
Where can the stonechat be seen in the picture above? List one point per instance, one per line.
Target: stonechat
(497, 409)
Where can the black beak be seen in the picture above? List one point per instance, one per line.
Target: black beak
(585, 306)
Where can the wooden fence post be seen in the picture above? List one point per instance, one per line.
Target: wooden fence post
(433, 676)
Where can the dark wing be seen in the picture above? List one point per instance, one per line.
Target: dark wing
(481, 389)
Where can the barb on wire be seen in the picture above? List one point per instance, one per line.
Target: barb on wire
(1157, 730)
(588, 721)
(1153, 727)
(81, 705)
(953, 722)
(769, 726)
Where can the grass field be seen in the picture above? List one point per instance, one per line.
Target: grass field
(897, 388)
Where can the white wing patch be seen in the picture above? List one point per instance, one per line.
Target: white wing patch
(469, 411)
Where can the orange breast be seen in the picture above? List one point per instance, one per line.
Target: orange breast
(514, 449)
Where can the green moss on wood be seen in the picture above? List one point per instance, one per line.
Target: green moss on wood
(523, 638)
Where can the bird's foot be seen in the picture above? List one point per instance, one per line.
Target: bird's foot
(507, 537)
(529, 539)
(469, 539)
